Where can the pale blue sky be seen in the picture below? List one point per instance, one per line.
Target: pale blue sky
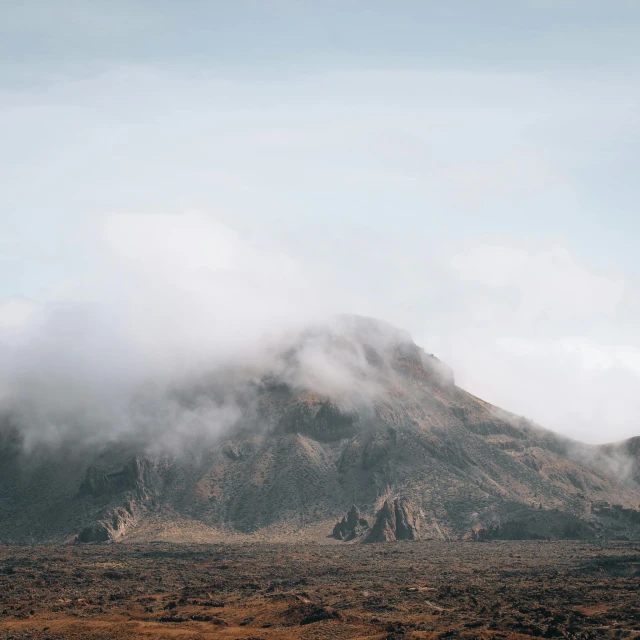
(441, 165)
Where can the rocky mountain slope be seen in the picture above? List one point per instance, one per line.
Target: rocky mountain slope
(349, 414)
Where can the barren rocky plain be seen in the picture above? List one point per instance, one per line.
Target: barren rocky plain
(420, 589)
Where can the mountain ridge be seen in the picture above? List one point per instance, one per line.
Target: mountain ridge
(352, 414)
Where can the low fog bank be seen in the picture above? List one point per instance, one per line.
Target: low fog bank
(164, 301)
(172, 335)
(78, 381)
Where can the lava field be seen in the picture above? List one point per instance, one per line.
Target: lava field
(252, 591)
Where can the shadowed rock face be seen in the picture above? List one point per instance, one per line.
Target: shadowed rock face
(135, 476)
(344, 416)
(407, 520)
(396, 520)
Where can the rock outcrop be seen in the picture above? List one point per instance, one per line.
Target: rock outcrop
(351, 526)
(126, 490)
(110, 528)
(396, 520)
(537, 524)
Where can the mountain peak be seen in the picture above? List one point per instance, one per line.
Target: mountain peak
(346, 413)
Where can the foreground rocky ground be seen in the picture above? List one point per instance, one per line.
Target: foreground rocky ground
(403, 590)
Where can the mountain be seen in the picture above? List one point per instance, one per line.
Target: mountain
(347, 413)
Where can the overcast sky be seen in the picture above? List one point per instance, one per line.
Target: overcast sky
(465, 170)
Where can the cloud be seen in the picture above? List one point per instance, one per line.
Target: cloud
(165, 298)
(169, 298)
(539, 286)
(397, 193)
(535, 332)
(15, 313)
(167, 335)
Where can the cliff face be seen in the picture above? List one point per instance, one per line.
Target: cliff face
(354, 415)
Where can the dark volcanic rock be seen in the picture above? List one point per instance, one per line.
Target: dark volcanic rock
(397, 520)
(113, 526)
(384, 528)
(351, 526)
